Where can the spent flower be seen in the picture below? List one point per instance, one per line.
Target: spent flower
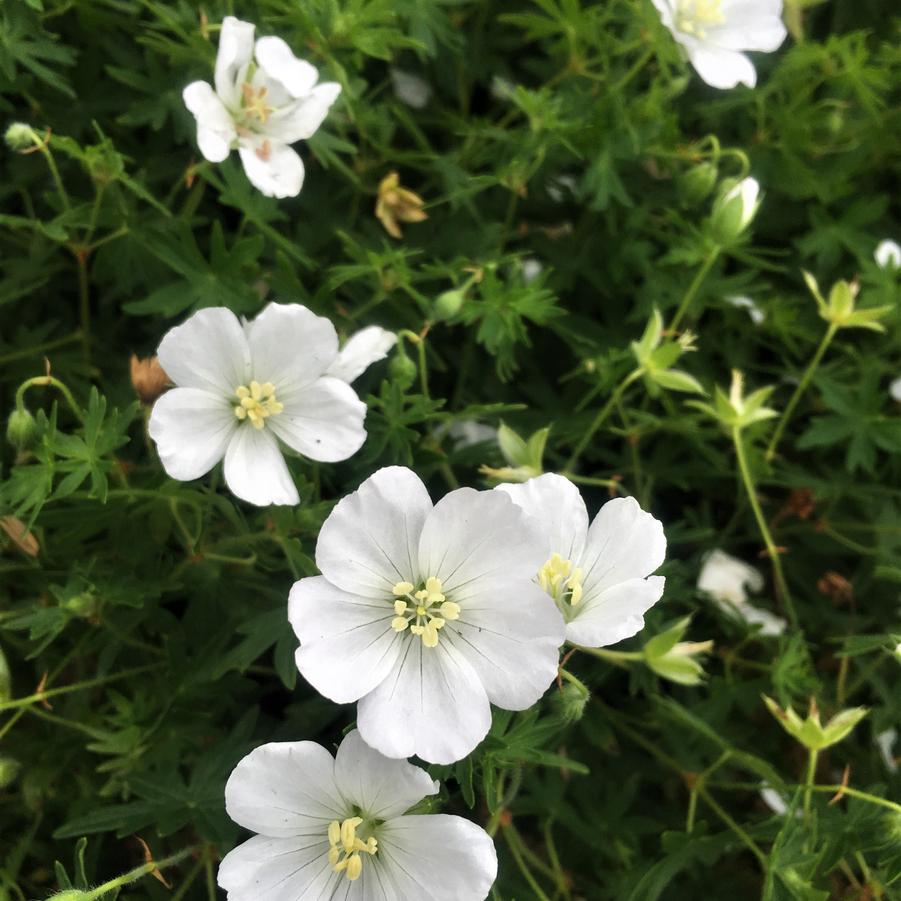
(810, 732)
(395, 204)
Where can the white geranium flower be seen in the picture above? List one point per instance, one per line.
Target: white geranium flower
(741, 302)
(888, 255)
(714, 32)
(410, 89)
(363, 348)
(426, 615)
(331, 828)
(728, 580)
(240, 389)
(598, 575)
(894, 390)
(265, 99)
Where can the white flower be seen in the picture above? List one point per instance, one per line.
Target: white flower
(410, 89)
(745, 303)
(894, 390)
(714, 32)
(888, 255)
(265, 99)
(598, 575)
(241, 389)
(728, 580)
(362, 349)
(886, 742)
(426, 615)
(332, 828)
(531, 269)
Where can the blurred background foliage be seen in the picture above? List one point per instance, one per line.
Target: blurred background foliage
(568, 159)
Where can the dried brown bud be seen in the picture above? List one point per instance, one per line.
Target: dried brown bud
(148, 378)
(20, 536)
(397, 204)
(836, 586)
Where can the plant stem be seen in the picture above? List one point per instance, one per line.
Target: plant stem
(809, 779)
(84, 301)
(43, 145)
(800, 389)
(47, 380)
(860, 795)
(746, 839)
(523, 866)
(39, 348)
(751, 491)
(694, 287)
(601, 415)
(618, 658)
(136, 873)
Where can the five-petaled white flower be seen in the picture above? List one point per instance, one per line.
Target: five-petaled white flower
(599, 575)
(265, 99)
(728, 580)
(888, 255)
(362, 349)
(335, 828)
(240, 389)
(714, 32)
(426, 615)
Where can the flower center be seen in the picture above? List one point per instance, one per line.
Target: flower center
(561, 580)
(257, 402)
(424, 611)
(345, 847)
(253, 103)
(695, 16)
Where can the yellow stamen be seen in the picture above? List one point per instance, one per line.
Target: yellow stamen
(256, 402)
(402, 588)
(424, 612)
(561, 580)
(345, 847)
(254, 102)
(696, 16)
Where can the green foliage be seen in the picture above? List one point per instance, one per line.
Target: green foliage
(144, 647)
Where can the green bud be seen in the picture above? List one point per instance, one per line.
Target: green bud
(73, 894)
(734, 210)
(9, 769)
(696, 184)
(674, 660)
(21, 429)
(401, 368)
(448, 304)
(20, 136)
(571, 702)
(85, 604)
(810, 732)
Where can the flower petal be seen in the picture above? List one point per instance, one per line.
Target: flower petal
(255, 469)
(726, 578)
(322, 421)
(380, 786)
(300, 120)
(278, 61)
(750, 25)
(721, 68)
(510, 632)
(278, 869)
(471, 536)
(624, 542)
(362, 349)
(285, 789)
(232, 60)
(433, 706)
(370, 540)
(615, 614)
(347, 646)
(290, 346)
(207, 351)
(271, 166)
(557, 505)
(192, 429)
(464, 870)
(215, 126)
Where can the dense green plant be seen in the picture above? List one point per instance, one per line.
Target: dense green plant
(144, 647)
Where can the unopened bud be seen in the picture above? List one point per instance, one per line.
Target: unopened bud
(21, 429)
(20, 136)
(571, 702)
(9, 769)
(401, 368)
(696, 184)
(148, 378)
(448, 304)
(72, 894)
(734, 211)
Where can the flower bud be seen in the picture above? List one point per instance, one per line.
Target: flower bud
(734, 210)
(72, 894)
(696, 184)
(21, 429)
(401, 368)
(19, 137)
(888, 255)
(148, 378)
(9, 769)
(571, 702)
(674, 660)
(448, 304)
(84, 604)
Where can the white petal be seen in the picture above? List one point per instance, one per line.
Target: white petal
(556, 504)
(215, 127)
(278, 869)
(471, 536)
(347, 645)
(285, 789)
(667, 14)
(770, 623)
(322, 421)
(410, 89)
(462, 870)
(510, 632)
(380, 786)
(750, 25)
(894, 390)
(721, 68)
(291, 347)
(255, 469)
(888, 255)
(726, 578)
(192, 429)
(885, 740)
(272, 167)
(624, 542)
(300, 120)
(615, 614)
(432, 706)
(207, 351)
(362, 349)
(277, 61)
(233, 58)
(370, 540)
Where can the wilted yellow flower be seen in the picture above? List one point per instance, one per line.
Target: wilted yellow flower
(397, 204)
